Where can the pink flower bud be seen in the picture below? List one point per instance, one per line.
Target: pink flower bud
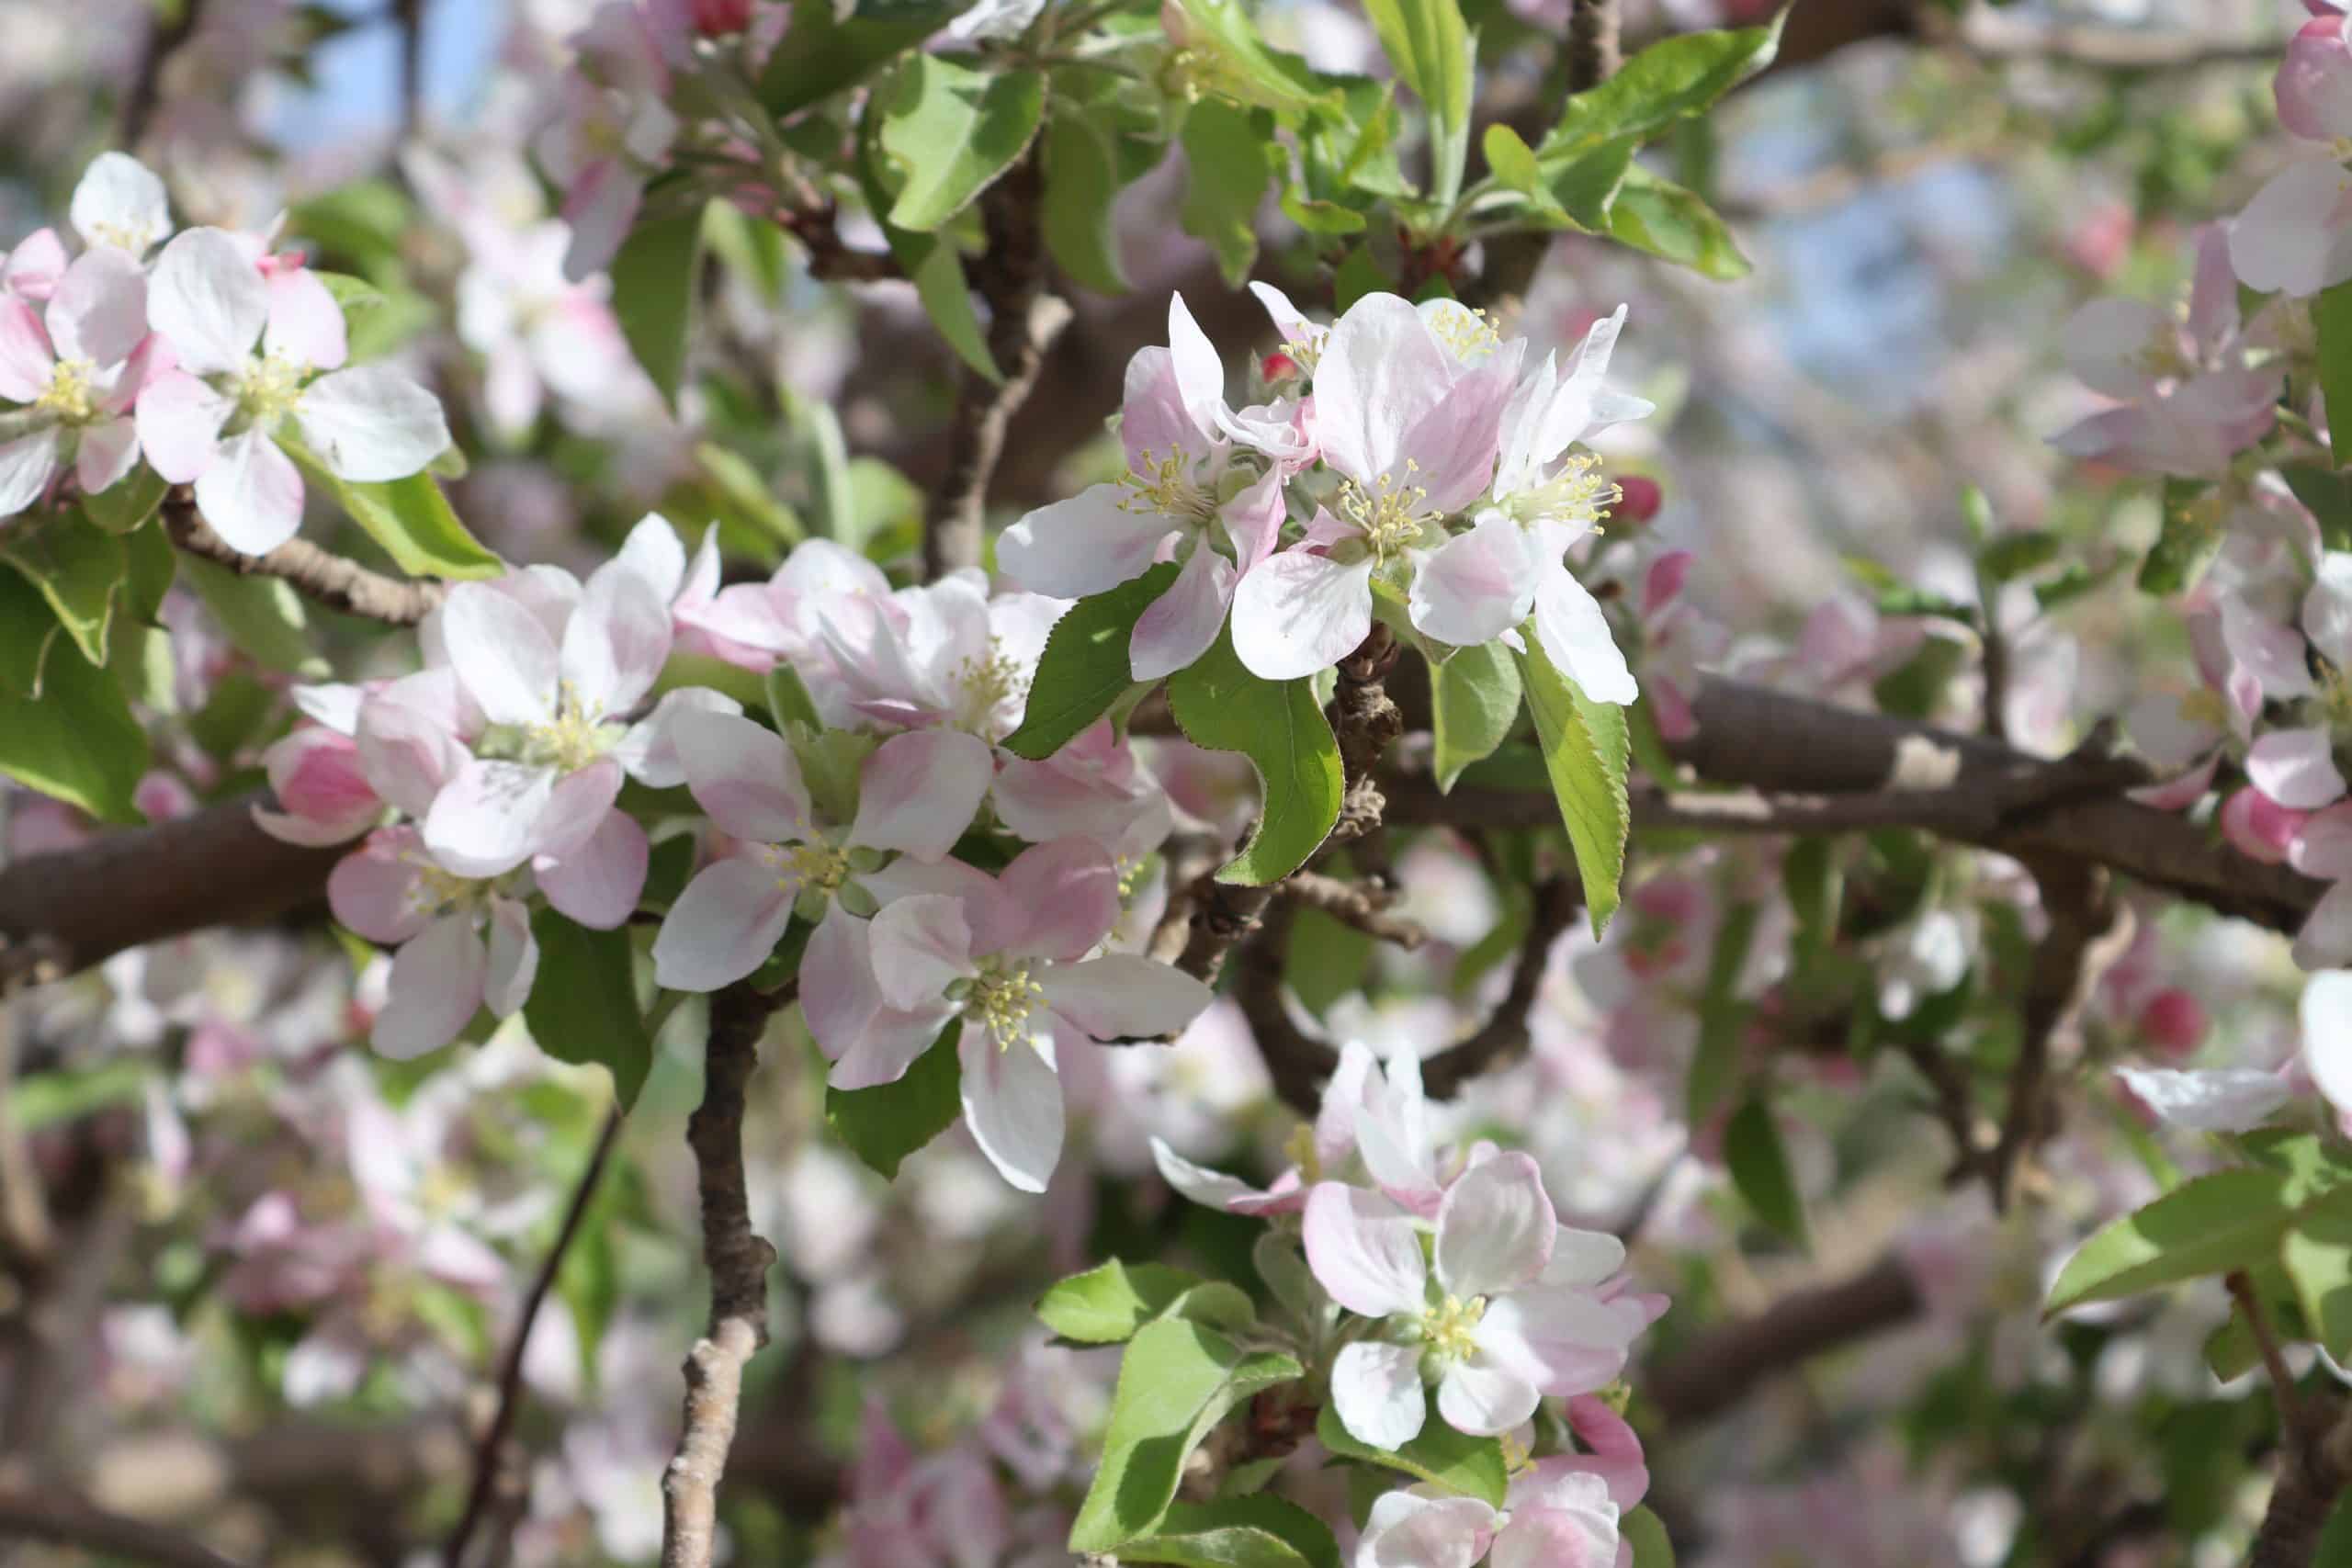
(2174, 1021)
(1278, 366)
(721, 19)
(2259, 827)
(1638, 499)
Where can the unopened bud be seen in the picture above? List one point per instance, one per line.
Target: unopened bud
(2174, 1021)
(1638, 499)
(1278, 366)
(721, 19)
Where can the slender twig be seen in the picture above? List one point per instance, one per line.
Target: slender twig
(1716, 1370)
(61, 1520)
(2274, 1362)
(489, 1453)
(2083, 939)
(1356, 904)
(1504, 1036)
(738, 1259)
(2314, 1467)
(329, 579)
(164, 40)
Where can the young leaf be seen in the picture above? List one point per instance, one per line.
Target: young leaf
(77, 742)
(2195, 524)
(1585, 748)
(1511, 159)
(929, 260)
(1256, 1531)
(1107, 1305)
(582, 1005)
(1081, 185)
(2232, 1219)
(1760, 1169)
(1084, 667)
(1426, 41)
(883, 1124)
(264, 617)
(127, 502)
(2317, 1254)
(1276, 723)
(654, 292)
(1177, 1380)
(952, 131)
(1654, 215)
(2331, 319)
(1473, 701)
(1438, 1454)
(2014, 555)
(1671, 80)
(78, 569)
(1238, 64)
(1225, 179)
(820, 56)
(1640, 1530)
(410, 518)
(1325, 959)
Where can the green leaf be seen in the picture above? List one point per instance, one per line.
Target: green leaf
(1429, 47)
(410, 518)
(1277, 724)
(1672, 80)
(149, 566)
(77, 568)
(1473, 701)
(2317, 1255)
(951, 130)
(1585, 747)
(1105, 1306)
(2325, 492)
(2014, 555)
(1325, 959)
(127, 502)
(883, 1124)
(1511, 159)
(1760, 1169)
(1081, 184)
(1225, 179)
(788, 699)
(1652, 214)
(2232, 1219)
(929, 260)
(1360, 274)
(1438, 1454)
(654, 292)
(1723, 1017)
(1084, 667)
(1583, 188)
(820, 56)
(1641, 1529)
(2331, 319)
(1256, 1531)
(1177, 1380)
(2195, 523)
(2232, 1349)
(584, 1006)
(77, 742)
(1230, 58)
(264, 617)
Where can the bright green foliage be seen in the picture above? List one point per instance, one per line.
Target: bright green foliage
(1585, 749)
(584, 1005)
(883, 1124)
(1277, 724)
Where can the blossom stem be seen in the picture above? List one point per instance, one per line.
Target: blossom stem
(314, 574)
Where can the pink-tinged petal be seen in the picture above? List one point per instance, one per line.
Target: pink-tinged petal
(647, 750)
(317, 777)
(2107, 343)
(2327, 608)
(373, 889)
(2224, 1099)
(179, 420)
(250, 494)
(920, 946)
(598, 884)
(1200, 374)
(436, 985)
(1013, 1103)
(2164, 728)
(1615, 1453)
(1563, 1341)
(407, 751)
(99, 311)
(1376, 1389)
(27, 466)
(1392, 1135)
(2274, 653)
(501, 653)
(2289, 238)
(1663, 583)
(1475, 586)
(485, 821)
(2326, 1012)
(1299, 614)
(1495, 1228)
(1576, 638)
(1365, 1250)
(2259, 828)
(1335, 1119)
(109, 449)
(577, 807)
(2322, 844)
(2295, 768)
(1288, 319)
(2315, 82)
(917, 792)
(1453, 444)
(1380, 372)
(34, 267)
(1065, 899)
(745, 776)
(1095, 540)
(838, 996)
(120, 202)
(654, 552)
(514, 958)
(1210, 1189)
(1178, 628)
(601, 207)
(2325, 940)
(1154, 424)
(1582, 1258)
(371, 423)
(1123, 996)
(1408, 1531)
(1254, 520)
(723, 926)
(888, 1044)
(26, 359)
(1555, 1538)
(615, 643)
(209, 300)
(1477, 1397)
(305, 323)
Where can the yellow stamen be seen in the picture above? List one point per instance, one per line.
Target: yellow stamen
(1389, 515)
(69, 395)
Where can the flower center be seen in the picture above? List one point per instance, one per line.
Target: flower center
(2205, 706)
(437, 891)
(1165, 485)
(576, 737)
(270, 389)
(1451, 1327)
(1467, 333)
(1389, 514)
(1000, 999)
(811, 867)
(1576, 494)
(985, 681)
(69, 395)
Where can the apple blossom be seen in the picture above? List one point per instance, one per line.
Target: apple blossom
(608, 133)
(121, 206)
(1556, 1519)
(76, 368)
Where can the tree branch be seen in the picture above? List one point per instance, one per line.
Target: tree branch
(1717, 1370)
(314, 574)
(489, 1453)
(1504, 1034)
(1357, 904)
(164, 40)
(2081, 940)
(1592, 43)
(2314, 1467)
(738, 1259)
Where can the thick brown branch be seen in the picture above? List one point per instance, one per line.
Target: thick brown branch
(490, 1453)
(1026, 320)
(1592, 43)
(738, 1259)
(1716, 1370)
(2067, 961)
(1504, 1036)
(2314, 1469)
(314, 574)
(46, 1513)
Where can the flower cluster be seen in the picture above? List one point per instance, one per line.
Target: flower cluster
(215, 359)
